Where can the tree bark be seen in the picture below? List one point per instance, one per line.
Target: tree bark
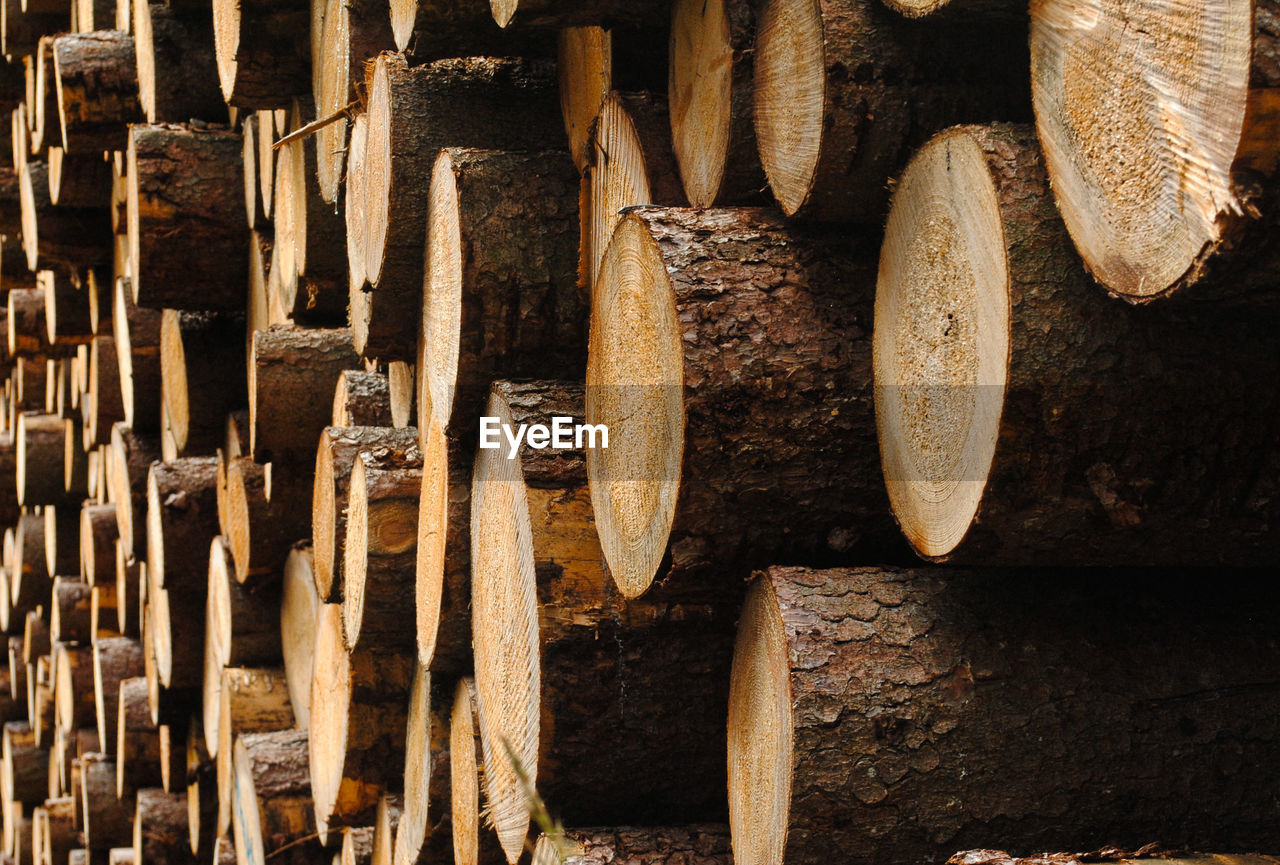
(97, 90)
(502, 297)
(107, 820)
(177, 70)
(186, 243)
(98, 536)
(106, 400)
(262, 50)
(160, 829)
(361, 399)
(577, 13)
(69, 619)
(250, 700)
(131, 457)
(704, 844)
(939, 689)
(273, 805)
(114, 660)
(137, 333)
(79, 179)
(25, 767)
(59, 237)
(66, 309)
(203, 378)
(137, 739)
(182, 516)
(41, 447)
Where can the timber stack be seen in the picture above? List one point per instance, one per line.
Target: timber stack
(661, 432)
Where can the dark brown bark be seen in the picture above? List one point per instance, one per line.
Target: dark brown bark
(186, 234)
(106, 400)
(43, 106)
(25, 765)
(182, 518)
(273, 778)
(22, 30)
(578, 13)
(264, 52)
(137, 333)
(107, 820)
(70, 615)
(131, 455)
(66, 309)
(361, 399)
(202, 356)
(177, 71)
(41, 447)
(941, 692)
(62, 237)
(266, 514)
(79, 179)
(28, 334)
(115, 659)
(10, 203)
(8, 480)
(160, 828)
(30, 582)
(431, 29)
(137, 739)
(128, 590)
(97, 90)
(703, 844)
(73, 684)
(56, 819)
(297, 368)
(521, 312)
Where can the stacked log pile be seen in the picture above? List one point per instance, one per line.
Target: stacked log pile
(272, 272)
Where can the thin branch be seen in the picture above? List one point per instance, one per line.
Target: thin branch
(316, 125)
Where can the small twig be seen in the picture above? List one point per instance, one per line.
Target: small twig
(537, 808)
(316, 125)
(303, 840)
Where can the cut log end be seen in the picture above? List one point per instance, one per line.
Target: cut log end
(700, 89)
(465, 761)
(443, 322)
(433, 530)
(634, 481)
(941, 341)
(329, 703)
(789, 91)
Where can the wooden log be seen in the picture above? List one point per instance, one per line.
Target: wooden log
(253, 188)
(272, 793)
(103, 622)
(442, 595)
(23, 28)
(364, 691)
(202, 794)
(131, 457)
(630, 163)
(30, 582)
(11, 708)
(584, 64)
(474, 841)
(803, 402)
(828, 662)
(262, 51)
(361, 399)
(410, 118)
(354, 192)
(19, 824)
(79, 179)
(424, 831)
(179, 657)
(263, 516)
(186, 247)
(9, 510)
(202, 372)
(343, 37)
(703, 844)
(177, 70)
(114, 660)
(1057, 424)
(429, 29)
(357, 846)
(243, 623)
(543, 609)
(182, 515)
(496, 306)
(106, 399)
(69, 618)
(298, 608)
(97, 89)
(137, 739)
(23, 771)
(73, 686)
(61, 535)
(251, 700)
(53, 830)
(129, 581)
(1199, 166)
(386, 820)
(40, 450)
(712, 52)
(160, 828)
(137, 334)
(75, 485)
(297, 367)
(43, 107)
(542, 13)
(828, 139)
(380, 548)
(107, 820)
(401, 384)
(66, 309)
(59, 236)
(99, 283)
(35, 637)
(335, 460)
(98, 536)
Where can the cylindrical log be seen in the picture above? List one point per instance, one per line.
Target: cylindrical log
(430, 29)
(263, 516)
(703, 844)
(103, 622)
(502, 296)
(137, 334)
(107, 820)
(401, 384)
(272, 793)
(412, 114)
(584, 64)
(203, 377)
(160, 829)
(843, 89)
(380, 548)
(544, 608)
(474, 841)
(630, 163)
(27, 332)
(354, 192)
(69, 617)
(442, 595)
(423, 833)
(45, 131)
(75, 485)
(106, 398)
(30, 583)
(361, 399)
(986, 323)
(78, 179)
(59, 236)
(129, 579)
(137, 739)
(131, 457)
(357, 730)
(179, 656)
(41, 446)
(97, 89)
(53, 829)
(545, 13)
(202, 794)
(35, 636)
(298, 608)
(186, 236)
(114, 660)
(24, 771)
(1197, 129)
(262, 51)
(683, 352)
(253, 189)
(250, 700)
(73, 686)
(98, 536)
(243, 622)
(40, 703)
(66, 309)
(177, 70)
(298, 368)
(942, 691)
(182, 515)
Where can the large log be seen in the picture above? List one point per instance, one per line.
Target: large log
(177, 70)
(704, 844)
(182, 515)
(544, 610)
(262, 51)
(423, 834)
(716, 335)
(1196, 124)
(203, 379)
(502, 297)
(186, 245)
(947, 697)
(843, 89)
(412, 114)
(97, 76)
(272, 794)
(986, 323)
(250, 700)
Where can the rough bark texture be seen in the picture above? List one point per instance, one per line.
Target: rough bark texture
(66, 309)
(266, 59)
(521, 312)
(97, 90)
(431, 29)
(281, 791)
(106, 399)
(182, 517)
(70, 619)
(115, 659)
(177, 71)
(186, 233)
(25, 765)
(297, 368)
(41, 447)
(936, 711)
(98, 536)
(137, 333)
(160, 828)
(59, 236)
(78, 179)
(578, 13)
(361, 399)
(704, 844)
(107, 820)
(202, 363)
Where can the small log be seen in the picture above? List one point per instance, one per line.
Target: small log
(137, 334)
(40, 450)
(410, 118)
(401, 384)
(335, 460)
(365, 691)
(202, 793)
(298, 608)
(66, 309)
(30, 583)
(262, 52)
(177, 70)
(137, 739)
(243, 623)
(355, 190)
(186, 247)
(62, 531)
(179, 657)
(69, 618)
(106, 399)
(129, 579)
(59, 236)
(107, 820)
(253, 191)
(296, 367)
(114, 660)
(9, 509)
(98, 536)
(160, 828)
(99, 285)
(361, 399)
(78, 179)
(495, 306)
(442, 595)
(131, 457)
(357, 846)
(182, 515)
(202, 372)
(18, 825)
(73, 686)
(704, 844)
(75, 485)
(424, 831)
(251, 700)
(27, 332)
(24, 771)
(273, 805)
(386, 820)
(53, 830)
(380, 549)
(263, 516)
(474, 841)
(43, 106)
(35, 637)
